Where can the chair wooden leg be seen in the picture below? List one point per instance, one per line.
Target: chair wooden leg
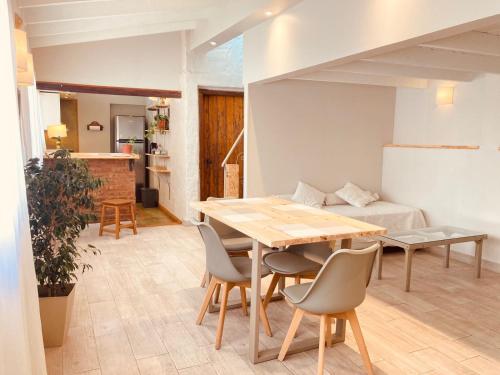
(222, 314)
(204, 280)
(358, 335)
(322, 340)
(217, 294)
(265, 320)
(117, 222)
(206, 300)
(294, 325)
(244, 307)
(132, 216)
(101, 226)
(276, 278)
(297, 280)
(329, 332)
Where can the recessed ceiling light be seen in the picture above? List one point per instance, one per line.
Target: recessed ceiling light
(269, 13)
(213, 43)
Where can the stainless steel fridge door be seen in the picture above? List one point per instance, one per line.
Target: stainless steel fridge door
(139, 165)
(127, 127)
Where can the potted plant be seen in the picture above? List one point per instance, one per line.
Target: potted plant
(60, 203)
(128, 147)
(151, 130)
(162, 122)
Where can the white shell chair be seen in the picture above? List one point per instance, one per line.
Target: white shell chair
(338, 289)
(228, 272)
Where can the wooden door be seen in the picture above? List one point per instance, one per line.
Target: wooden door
(69, 117)
(221, 121)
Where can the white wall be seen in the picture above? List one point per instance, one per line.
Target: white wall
(322, 133)
(152, 61)
(316, 32)
(96, 107)
(453, 187)
(218, 68)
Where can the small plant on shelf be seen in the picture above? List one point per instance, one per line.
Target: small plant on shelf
(162, 122)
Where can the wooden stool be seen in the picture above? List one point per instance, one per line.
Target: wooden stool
(117, 204)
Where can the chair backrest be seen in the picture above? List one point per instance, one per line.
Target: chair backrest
(222, 229)
(218, 262)
(341, 284)
(318, 252)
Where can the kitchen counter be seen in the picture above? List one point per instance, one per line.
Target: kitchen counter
(116, 172)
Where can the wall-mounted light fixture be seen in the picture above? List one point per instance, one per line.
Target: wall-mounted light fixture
(27, 78)
(444, 95)
(268, 13)
(21, 50)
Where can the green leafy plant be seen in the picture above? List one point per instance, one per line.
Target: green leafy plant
(132, 140)
(161, 117)
(151, 130)
(60, 204)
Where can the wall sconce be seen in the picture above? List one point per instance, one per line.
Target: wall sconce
(444, 95)
(27, 78)
(21, 50)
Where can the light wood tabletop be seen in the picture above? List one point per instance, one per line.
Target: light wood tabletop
(277, 222)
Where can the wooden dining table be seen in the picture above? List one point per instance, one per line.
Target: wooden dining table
(277, 223)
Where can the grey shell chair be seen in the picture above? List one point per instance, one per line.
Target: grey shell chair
(298, 261)
(338, 289)
(235, 243)
(228, 272)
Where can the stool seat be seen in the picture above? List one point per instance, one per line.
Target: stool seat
(116, 204)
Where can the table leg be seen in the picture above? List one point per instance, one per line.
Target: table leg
(447, 256)
(408, 260)
(479, 255)
(254, 301)
(380, 253)
(346, 243)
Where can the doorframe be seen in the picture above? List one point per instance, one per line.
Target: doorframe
(203, 92)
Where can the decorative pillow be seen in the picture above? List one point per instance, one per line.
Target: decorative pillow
(308, 195)
(333, 199)
(356, 196)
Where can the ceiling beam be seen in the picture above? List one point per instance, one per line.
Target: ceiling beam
(441, 59)
(398, 70)
(364, 79)
(107, 90)
(234, 19)
(81, 37)
(77, 10)
(101, 23)
(475, 42)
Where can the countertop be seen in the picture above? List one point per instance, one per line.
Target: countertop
(102, 155)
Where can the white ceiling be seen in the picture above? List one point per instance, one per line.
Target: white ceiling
(53, 22)
(462, 57)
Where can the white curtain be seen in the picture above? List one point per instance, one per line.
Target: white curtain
(32, 129)
(21, 346)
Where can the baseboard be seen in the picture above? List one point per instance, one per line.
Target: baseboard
(167, 212)
(465, 258)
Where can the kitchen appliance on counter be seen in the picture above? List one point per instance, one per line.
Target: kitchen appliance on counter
(124, 130)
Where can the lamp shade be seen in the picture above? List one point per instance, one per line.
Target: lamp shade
(27, 78)
(55, 131)
(21, 50)
(444, 95)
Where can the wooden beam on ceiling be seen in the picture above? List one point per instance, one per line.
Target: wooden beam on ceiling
(441, 59)
(474, 42)
(364, 79)
(398, 70)
(107, 90)
(91, 36)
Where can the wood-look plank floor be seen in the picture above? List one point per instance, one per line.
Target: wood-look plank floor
(135, 314)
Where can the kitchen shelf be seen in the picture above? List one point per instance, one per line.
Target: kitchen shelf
(155, 169)
(163, 156)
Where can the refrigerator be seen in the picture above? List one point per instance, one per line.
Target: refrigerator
(124, 129)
